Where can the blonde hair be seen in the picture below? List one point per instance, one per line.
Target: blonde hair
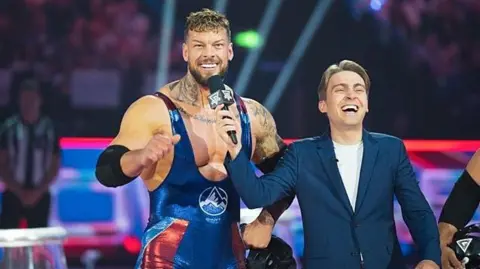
(206, 20)
(345, 65)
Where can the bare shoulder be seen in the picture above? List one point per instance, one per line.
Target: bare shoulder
(264, 129)
(144, 117)
(262, 119)
(147, 108)
(473, 166)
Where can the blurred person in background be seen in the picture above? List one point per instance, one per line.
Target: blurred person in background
(29, 161)
(169, 140)
(458, 210)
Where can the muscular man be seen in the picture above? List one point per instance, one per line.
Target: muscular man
(459, 209)
(169, 140)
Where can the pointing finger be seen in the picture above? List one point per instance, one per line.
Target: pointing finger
(163, 140)
(159, 136)
(175, 139)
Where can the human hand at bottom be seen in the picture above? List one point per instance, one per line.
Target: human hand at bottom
(257, 234)
(427, 264)
(449, 259)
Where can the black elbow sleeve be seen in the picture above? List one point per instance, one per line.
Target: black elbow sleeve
(462, 202)
(108, 170)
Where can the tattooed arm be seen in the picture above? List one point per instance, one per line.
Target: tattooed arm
(268, 149)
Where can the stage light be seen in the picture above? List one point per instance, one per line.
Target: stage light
(376, 4)
(248, 39)
(132, 244)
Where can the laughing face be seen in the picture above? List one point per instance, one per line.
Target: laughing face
(346, 100)
(207, 53)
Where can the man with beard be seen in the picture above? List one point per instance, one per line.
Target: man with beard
(169, 140)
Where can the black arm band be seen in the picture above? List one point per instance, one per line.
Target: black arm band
(109, 171)
(268, 164)
(462, 202)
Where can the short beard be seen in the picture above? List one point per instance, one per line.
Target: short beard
(203, 81)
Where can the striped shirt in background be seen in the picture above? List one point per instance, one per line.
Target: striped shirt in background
(30, 148)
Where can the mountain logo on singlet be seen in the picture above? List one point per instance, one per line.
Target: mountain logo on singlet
(213, 201)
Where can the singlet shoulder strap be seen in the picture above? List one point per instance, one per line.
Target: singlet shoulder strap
(245, 123)
(183, 148)
(170, 105)
(241, 104)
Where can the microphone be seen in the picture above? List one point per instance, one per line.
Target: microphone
(221, 96)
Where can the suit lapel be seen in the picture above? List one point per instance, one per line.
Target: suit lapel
(370, 152)
(326, 154)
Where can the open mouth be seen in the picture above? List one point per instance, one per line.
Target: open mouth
(350, 109)
(209, 66)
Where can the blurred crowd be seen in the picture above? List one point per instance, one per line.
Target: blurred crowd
(58, 35)
(443, 42)
(49, 39)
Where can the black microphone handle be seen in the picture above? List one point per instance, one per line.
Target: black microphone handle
(232, 134)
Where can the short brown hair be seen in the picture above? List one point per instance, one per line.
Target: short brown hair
(206, 20)
(344, 65)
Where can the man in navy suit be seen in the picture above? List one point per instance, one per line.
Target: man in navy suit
(345, 182)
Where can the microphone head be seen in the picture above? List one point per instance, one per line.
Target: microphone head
(215, 83)
(219, 94)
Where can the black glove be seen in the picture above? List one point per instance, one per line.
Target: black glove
(277, 255)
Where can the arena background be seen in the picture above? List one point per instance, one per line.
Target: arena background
(94, 57)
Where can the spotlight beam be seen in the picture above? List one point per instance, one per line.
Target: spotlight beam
(166, 42)
(268, 18)
(297, 53)
(221, 6)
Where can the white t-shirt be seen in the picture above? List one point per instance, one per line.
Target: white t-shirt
(349, 162)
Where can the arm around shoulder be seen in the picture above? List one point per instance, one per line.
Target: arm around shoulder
(119, 163)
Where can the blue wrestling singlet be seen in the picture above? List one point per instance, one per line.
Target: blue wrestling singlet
(193, 221)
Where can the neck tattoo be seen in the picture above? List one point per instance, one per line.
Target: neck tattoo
(186, 90)
(200, 117)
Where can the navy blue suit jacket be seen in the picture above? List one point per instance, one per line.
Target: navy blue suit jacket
(336, 236)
